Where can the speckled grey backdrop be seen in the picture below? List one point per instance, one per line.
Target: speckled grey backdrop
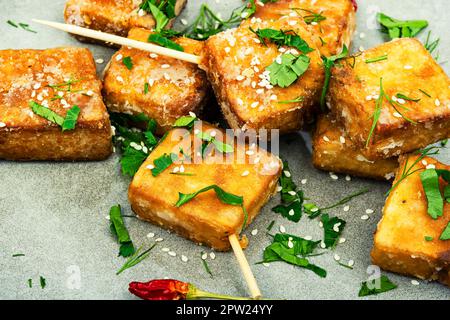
(54, 213)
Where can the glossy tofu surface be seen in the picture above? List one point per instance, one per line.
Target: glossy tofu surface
(235, 61)
(333, 32)
(111, 16)
(410, 70)
(399, 244)
(205, 219)
(334, 151)
(40, 75)
(175, 87)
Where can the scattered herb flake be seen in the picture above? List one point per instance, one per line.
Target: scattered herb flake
(296, 100)
(400, 29)
(405, 97)
(285, 72)
(428, 238)
(120, 231)
(162, 163)
(70, 121)
(425, 93)
(205, 265)
(380, 285)
(30, 283)
(12, 23)
(430, 183)
(18, 255)
(377, 59)
(283, 38)
(42, 282)
(128, 62)
(270, 226)
(446, 233)
(164, 42)
(136, 258)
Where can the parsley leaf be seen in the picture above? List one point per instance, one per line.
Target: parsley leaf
(280, 38)
(164, 42)
(368, 289)
(332, 228)
(162, 163)
(293, 211)
(400, 29)
(118, 228)
(185, 121)
(71, 118)
(42, 282)
(128, 62)
(430, 183)
(67, 123)
(446, 233)
(30, 283)
(162, 11)
(220, 146)
(286, 71)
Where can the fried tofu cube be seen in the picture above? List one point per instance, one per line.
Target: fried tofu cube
(250, 172)
(163, 88)
(58, 79)
(236, 60)
(400, 243)
(334, 151)
(333, 21)
(111, 16)
(415, 110)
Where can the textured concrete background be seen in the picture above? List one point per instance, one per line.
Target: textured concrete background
(54, 213)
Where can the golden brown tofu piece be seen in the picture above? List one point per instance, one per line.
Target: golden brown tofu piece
(111, 16)
(334, 151)
(400, 243)
(235, 61)
(333, 21)
(408, 69)
(205, 219)
(26, 75)
(175, 87)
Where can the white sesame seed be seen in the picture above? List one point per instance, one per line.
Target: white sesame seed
(249, 152)
(282, 229)
(181, 168)
(141, 13)
(153, 55)
(99, 61)
(304, 181)
(227, 49)
(309, 238)
(408, 67)
(342, 139)
(245, 173)
(323, 245)
(279, 188)
(362, 35)
(2, 124)
(240, 77)
(437, 102)
(184, 258)
(150, 235)
(254, 104)
(165, 66)
(333, 176)
(397, 115)
(325, 138)
(265, 264)
(346, 208)
(273, 97)
(337, 257)
(351, 263)
(119, 57)
(287, 173)
(254, 232)
(336, 227)
(150, 167)
(361, 48)
(184, 22)
(119, 78)
(159, 239)
(292, 23)
(342, 240)
(424, 162)
(176, 170)
(369, 211)
(291, 212)
(365, 217)
(212, 255)
(204, 256)
(321, 224)
(37, 86)
(107, 217)
(415, 282)
(172, 254)
(292, 193)
(369, 97)
(165, 249)
(431, 166)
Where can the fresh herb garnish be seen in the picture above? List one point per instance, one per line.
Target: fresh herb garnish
(431, 187)
(136, 258)
(406, 98)
(42, 282)
(164, 41)
(120, 231)
(22, 25)
(377, 59)
(328, 63)
(428, 238)
(425, 93)
(225, 197)
(288, 69)
(162, 11)
(162, 163)
(12, 23)
(431, 45)
(185, 122)
(146, 87)
(128, 62)
(270, 226)
(283, 38)
(67, 123)
(296, 100)
(15, 255)
(446, 233)
(332, 228)
(30, 283)
(293, 250)
(371, 289)
(205, 265)
(444, 142)
(312, 17)
(400, 29)
(220, 146)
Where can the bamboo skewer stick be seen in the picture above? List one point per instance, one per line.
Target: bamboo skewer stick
(102, 36)
(245, 267)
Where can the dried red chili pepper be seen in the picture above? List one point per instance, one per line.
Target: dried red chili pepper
(173, 290)
(355, 5)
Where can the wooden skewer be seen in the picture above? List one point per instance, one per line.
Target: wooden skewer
(245, 267)
(102, 36)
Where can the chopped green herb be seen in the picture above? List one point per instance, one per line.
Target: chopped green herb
(120, 231)
(404, 97)
(26, 27)
(65, 86)
(12, 23)
(270, 226)
(164, 42)
(345, 265)
(30, 283)
(380, 285)
(288, 69)
(46, 113)
(225, 197)
(18, 255)
(136, 258)
(292, 211)
(347, 199)
(312, 17)
(283, 38)
(220, 146)
(425, 93)
(312, 210)
(42, 282)
(71, 118)
(186, 121)
(162, 11)
(296, 100)
(162, 163)
(444, 142)
(377, 59)
(205, 265)
(430, 183)
(128, 62)
(428, 238)
(293, 250)
(431, 45)
(332, 228)
(446, 233)
(146, 87)
(400, 29)
(328, 63)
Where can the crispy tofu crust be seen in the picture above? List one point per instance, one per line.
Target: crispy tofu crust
(111, 16)
(205, 219)
(408, 69)
(175, 87)
(334, 151)
(399, 244)
(25, 76)
(333, 33)
(235, 64)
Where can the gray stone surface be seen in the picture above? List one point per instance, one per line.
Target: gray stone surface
(54, 213)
